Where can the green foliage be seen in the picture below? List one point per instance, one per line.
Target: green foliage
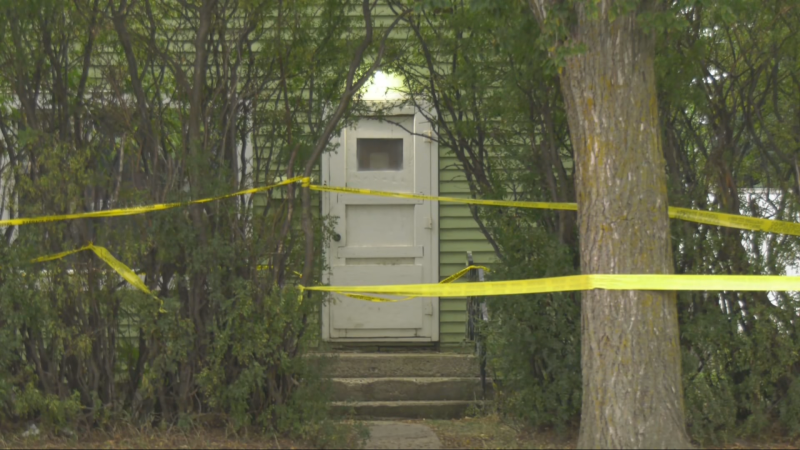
(85, 129)
(727, 71)
(723, 78)
(534, 340)
(30, 402)
(485, 71)
(789, 409)
(252, 368)
(246, 360)
(101, 107)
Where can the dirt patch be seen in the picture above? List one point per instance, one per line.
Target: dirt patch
(401, 435)
(493, 432)
(207, 438)
(149, 439)
(479, 432)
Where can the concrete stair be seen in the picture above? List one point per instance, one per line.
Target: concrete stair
(406, 385)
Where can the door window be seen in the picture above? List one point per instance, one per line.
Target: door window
(379, 154)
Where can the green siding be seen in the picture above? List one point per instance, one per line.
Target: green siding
(458, 231)
(458, 234)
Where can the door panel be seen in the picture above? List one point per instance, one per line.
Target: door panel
(379, 225)
(356, 314)
(381, 241)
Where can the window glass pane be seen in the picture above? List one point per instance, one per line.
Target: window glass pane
(379, 154)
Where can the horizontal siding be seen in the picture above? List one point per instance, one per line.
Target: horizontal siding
(458, 260)
(461, 246)
(453, 304)
(455, 211)
(461, 234)
(453, 329)
(453, 316)
(458, 233)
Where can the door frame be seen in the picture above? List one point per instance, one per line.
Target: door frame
(420, 117)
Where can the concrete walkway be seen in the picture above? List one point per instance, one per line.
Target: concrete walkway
(401, 435)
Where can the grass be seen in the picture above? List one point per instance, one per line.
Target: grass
(492, 432)
(149, 439)
(479, 432)
(152, 438)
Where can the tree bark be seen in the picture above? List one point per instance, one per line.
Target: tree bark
(631, 362)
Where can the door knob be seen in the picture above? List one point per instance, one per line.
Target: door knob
(337, 237)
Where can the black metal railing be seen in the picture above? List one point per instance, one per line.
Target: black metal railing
(477, 318)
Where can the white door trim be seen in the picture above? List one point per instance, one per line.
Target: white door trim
(420, 122)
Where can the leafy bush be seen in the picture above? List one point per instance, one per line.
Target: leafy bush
(123, 104)
(737, 382)
(76, 356)
(534, 340)
(725, 133)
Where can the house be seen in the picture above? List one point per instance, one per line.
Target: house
(169, 102)
(379, 240)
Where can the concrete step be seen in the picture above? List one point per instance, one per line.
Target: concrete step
(404, 389)
(434, 409)
(402, 365)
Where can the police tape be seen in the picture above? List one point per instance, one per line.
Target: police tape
(468, 201)
(446, 288)
(139, 209)
(449, 279)
(268, 267)
(578, 283)
(735, 221)
(690, 215)
(124, 271)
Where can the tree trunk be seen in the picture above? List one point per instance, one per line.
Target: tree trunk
(631, 362)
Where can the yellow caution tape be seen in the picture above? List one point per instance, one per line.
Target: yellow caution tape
(581, 283)
(103, 253)
(267, 267)
(59, 255)
(369, 298)
(140, 209)
(469, 201)
(449, 279)
(461, 273)
(690, 215)
(446, 289)
(735, 221)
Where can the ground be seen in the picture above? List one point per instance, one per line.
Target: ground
(492, 432)
(483, 432)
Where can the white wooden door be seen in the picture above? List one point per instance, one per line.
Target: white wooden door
(381, 241)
